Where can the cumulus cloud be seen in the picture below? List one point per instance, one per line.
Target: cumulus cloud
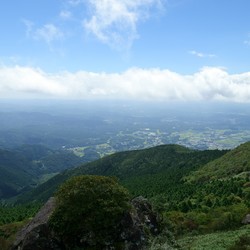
(28, 82)
(200, 54)
(135, 83)
(114, 22)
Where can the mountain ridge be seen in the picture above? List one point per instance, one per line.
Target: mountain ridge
(125, 165)
(235, 162)
(25, 166)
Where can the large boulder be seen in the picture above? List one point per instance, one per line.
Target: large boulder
(132, 232)
(246, 220)
(36, 234)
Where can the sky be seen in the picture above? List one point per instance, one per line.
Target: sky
(189, 50)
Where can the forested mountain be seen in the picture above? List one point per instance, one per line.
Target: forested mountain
(27, 166)
(235, 163)
(14, 174)
(164, 173)
(167, 163)
(195, 191)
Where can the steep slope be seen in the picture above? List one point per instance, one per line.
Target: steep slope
(171, 162)
(218, 201)
(235, 163)
(46, 161)
(217, 195)
(25, 166)
(14, 175)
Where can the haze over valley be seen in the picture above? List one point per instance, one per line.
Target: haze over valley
(100, 128)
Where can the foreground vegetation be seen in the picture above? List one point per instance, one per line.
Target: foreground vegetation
(196, 192)
(17, 213)
(89, 205)
(12, 219)
(8, 233)
(229, 240)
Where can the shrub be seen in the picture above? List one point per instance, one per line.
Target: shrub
(242, 244)
(88, 207)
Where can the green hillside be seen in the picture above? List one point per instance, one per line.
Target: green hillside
(196, 192)
(28, 165)
(235, 163)
(160, 174)
(218, 196)
(14, 176)
(157, 168)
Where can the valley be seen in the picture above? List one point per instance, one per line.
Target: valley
(192, 166)
(94, 129)
(146, 138)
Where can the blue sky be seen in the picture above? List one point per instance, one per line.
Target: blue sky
(148, 49)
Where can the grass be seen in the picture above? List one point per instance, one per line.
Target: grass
(214, 241)
(8, 233)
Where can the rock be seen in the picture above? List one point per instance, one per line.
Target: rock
(139, 225)
(36, 234)
(145, 214)
(246, 220)
(131, 233)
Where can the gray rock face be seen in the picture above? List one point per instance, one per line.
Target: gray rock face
(246, 220)
(36, 234)
(132, 233)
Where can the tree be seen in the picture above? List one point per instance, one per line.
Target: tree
(88, 207)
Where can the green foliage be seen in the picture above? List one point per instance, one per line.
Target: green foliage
(235, 163)
(165, 240)
(147, 172)
(88, 204)
(206, 220)
(24, 167)
(204, 205)
(8, 232)
(12, 219)
(243, 243)
(215, 241)
(14, 174)
(10, 214)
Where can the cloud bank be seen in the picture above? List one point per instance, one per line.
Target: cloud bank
(141, 84)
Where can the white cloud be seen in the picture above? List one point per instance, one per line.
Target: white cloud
(114, 22)
(200, 54)
(48, 33)
(140, 84)
(25, 82)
